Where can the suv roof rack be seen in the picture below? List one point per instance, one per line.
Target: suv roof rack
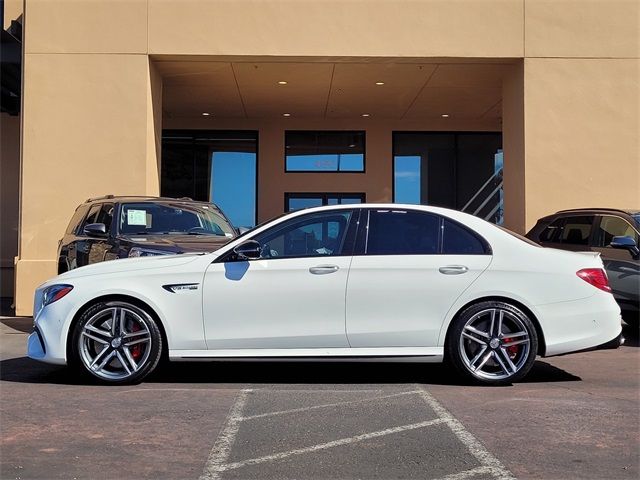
(619, 210)
(93, 199)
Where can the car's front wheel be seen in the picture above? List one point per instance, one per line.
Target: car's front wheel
(116, 342)
(492, 343)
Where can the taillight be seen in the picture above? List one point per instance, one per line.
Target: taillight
(596, 277)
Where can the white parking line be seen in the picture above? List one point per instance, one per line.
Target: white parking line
(486, 459)
(221, 449)
(216, 463)
(324, 446)
(328, 405)
(468, 473)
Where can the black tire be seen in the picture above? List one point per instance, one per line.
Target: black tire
(134, 348)
(483, 348)
(631, 318)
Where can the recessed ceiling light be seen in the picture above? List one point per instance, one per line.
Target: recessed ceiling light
(445, 115)
(366, 115)
(379, 83)
(282, 82)
(353, 145)
(286, 114)
(205, 114)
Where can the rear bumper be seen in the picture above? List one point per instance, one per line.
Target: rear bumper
(586, 324)
(612, 344)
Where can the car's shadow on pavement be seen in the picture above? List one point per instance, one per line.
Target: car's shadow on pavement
(25, 370)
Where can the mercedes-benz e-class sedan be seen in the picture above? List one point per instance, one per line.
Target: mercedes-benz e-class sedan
(364, 281)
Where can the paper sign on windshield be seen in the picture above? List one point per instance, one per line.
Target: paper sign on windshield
(137, 217)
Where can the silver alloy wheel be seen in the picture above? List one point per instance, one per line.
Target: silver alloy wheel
(494, 344)
(115, 343)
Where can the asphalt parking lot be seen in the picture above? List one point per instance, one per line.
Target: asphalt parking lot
(576, 416)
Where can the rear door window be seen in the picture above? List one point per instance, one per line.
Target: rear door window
(402, 232)
(577, 230)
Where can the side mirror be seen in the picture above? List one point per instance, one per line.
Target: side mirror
(95, 230)
(627, 243)
(249, 250)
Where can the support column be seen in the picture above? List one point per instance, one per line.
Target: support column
(92, 126)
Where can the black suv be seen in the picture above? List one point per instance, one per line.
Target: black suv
(106, 228)
(613, 233)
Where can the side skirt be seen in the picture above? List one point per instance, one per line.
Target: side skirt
(377, 354)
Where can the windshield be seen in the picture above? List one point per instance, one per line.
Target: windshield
(173, 218)
(518, 236)
(636, 218)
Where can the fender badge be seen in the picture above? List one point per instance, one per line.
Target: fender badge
(181, 287)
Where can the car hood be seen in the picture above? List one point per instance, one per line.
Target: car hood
(126, 265)
(178, 243)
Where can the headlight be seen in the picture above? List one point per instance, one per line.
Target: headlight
(52, 294)
(147, 252)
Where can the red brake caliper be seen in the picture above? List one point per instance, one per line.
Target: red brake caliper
(513, 349)
(136, 350)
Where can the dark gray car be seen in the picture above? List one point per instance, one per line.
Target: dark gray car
(109, 227)
(614, 233)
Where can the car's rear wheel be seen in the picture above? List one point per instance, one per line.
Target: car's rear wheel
(493, 343)
(116, 342)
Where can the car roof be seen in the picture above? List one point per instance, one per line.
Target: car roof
(627, 211)
(142, 199)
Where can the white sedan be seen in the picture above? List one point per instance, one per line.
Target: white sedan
(364, 281)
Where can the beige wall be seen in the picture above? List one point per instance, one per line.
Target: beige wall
(581, 138)
(9, 181)
(89, 129)
(12, 11)
(92, 114)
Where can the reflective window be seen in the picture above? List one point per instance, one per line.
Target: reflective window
(298, 201)
(459, 240)
(105, 215)
(407, 185)
(399, 232)
(215, 166)
(91, 216)
(324, 151)
(317, 234)
(78, 216)
(552, 232)
(576, 230)
(613, 227)
(168, 218)
(461, 170)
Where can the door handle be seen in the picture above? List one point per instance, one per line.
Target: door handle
(453, 269)
(323, 269)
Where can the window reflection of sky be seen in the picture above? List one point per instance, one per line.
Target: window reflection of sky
(406, 177)
(339, 162)
(233, 186)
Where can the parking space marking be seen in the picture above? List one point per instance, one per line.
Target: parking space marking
(328, 405)
(324, 446)
(221, 449)
(216, 462)
(486, 459)
(468, 473)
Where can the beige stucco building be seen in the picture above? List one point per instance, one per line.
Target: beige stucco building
(558, 80)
